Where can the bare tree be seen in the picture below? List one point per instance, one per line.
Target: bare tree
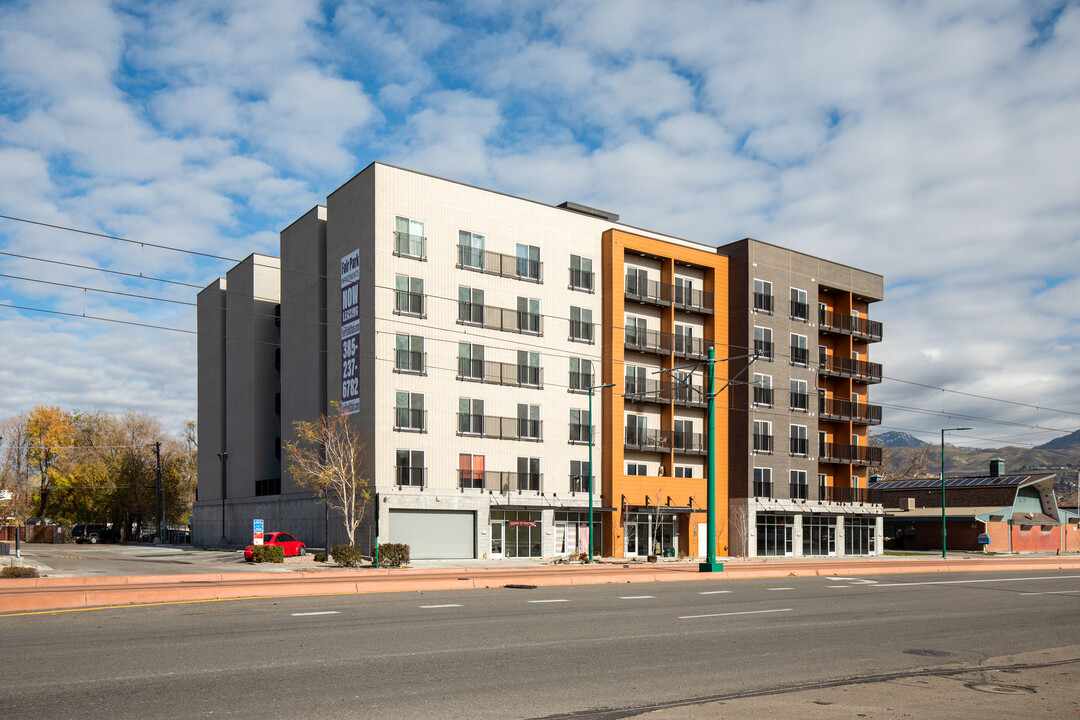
(901, 463)
(326, 458)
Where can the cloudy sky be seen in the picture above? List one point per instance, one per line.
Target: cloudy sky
(936, 143)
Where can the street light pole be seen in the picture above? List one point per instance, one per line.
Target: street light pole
(943, 431)
(223, 457)
(710, 564)
(591, 425)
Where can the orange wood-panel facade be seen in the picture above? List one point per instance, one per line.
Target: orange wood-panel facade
(622, 491)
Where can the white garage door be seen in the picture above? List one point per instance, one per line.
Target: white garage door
(435, 533)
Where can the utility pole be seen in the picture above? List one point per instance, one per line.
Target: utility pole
(160, 494)
(224, 458)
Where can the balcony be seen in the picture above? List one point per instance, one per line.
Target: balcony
(691, 347)
(493, 263)
(850, 495)
(860, 327)
(797, 491)
(650, 341)
(500, 373)
(410, 246)
(849, 454)
(582, 280)
(763, 488)
(500, 482)
(411, 476)
(847, 411)
(665, 441)
(862, 370)
(663, 392)
(696, 301)
(500, 428)
(496, 318)
(763, 443)
(649, 292)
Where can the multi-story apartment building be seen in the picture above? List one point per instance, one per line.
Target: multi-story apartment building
(798, 438)
(463, 329)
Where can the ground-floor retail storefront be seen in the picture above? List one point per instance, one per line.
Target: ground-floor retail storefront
(821, 532)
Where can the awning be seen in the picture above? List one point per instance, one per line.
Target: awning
(666, 509)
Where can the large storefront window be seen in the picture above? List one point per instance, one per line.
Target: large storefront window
(774, 535)
(515, 534)
(646, 535)
(572, 533)
(819, 535)
(859, 533)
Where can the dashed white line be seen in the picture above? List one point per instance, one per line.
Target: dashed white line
(321, 612)
(982, 580)
(1052, 592)
(744, 612)
(841, 586)
(548, 601)
(638, 597)
(432, 607)
(714, 592)
(781, 588)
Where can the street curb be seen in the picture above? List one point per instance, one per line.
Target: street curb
(45, 594)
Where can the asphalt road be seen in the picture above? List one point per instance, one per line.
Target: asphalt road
(526, 653)
(70, 560)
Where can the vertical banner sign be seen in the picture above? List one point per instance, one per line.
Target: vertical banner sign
(350, 331)
(257, 532)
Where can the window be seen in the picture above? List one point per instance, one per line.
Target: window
(269, 486)
(797, 484)
(410, 468)
(684, 341)
(637, 469)
(581, 328)
(637, 428)
(409, 354)
(800, 398)
(763, 390)
(528, 315)
(637, 331)
(684, 291)
(798, 441)
(470, 250)
(763, 436)
(800, 355)
(635, 380)
(470, 361)
(763, 298)
(581, 377)
(684, 389)
(822, 356)
(800, 308)
(471, 471)
(763, 345)
(528, 473)
(409, 240)
(408, 296)
(859, 535)
(682, 438)
(819, 535)
(528, 417)
(528, 262)
(637, 282)
(409, 412)
(775, 535)
(470, 305)
(528, 368)
(470, 416)
(581, 273)
(579, 476)
(684, 471)
(580, 430)
(763, 482)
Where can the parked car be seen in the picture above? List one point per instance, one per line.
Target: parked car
(94, 534)
(289, 545)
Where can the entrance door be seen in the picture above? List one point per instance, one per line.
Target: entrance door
(498, 528)
(702, 539)
(637, 535)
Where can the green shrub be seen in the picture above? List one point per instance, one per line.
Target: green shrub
(346, 555)
(393, 555)
(320, 557)
(19, 571)
(268, 553)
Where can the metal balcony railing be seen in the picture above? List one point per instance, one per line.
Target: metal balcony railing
(496, 318)
(800, 356)
(851, 495)
(581, 331)
(763, 443)
(763, 349)
(691, 347)
(582, 280)
(409, 303)
(844, 324)
(410, 420)
(863, 370)
(648, 291)
(494, 263)
(500, 373)
(409, 361)
(763, 396)
(846, 410)
(580, 433)
(798, 446)
(691, 300)
(849, 454)
(763, 488)
(410, 246)
(507, 482)
(411, 476)
(763, 302)
(799, 401)
(798, 491)
(650, 341)
(800, 310)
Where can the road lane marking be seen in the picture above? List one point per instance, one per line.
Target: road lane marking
(781, 588)
(1052, 592)
(320, 612)
(984, 580)
(432, 607)
(638, 597)
(841, 586)
(547, 601)
(744, 612)
(714, 592)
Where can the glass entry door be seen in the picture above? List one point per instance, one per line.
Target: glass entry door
(498, 528)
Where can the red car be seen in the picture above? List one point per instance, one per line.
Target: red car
(290, 545)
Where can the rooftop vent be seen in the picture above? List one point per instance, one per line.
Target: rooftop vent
(997, 467)
(586, 210)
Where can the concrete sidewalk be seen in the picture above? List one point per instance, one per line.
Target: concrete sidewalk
(45, 594)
